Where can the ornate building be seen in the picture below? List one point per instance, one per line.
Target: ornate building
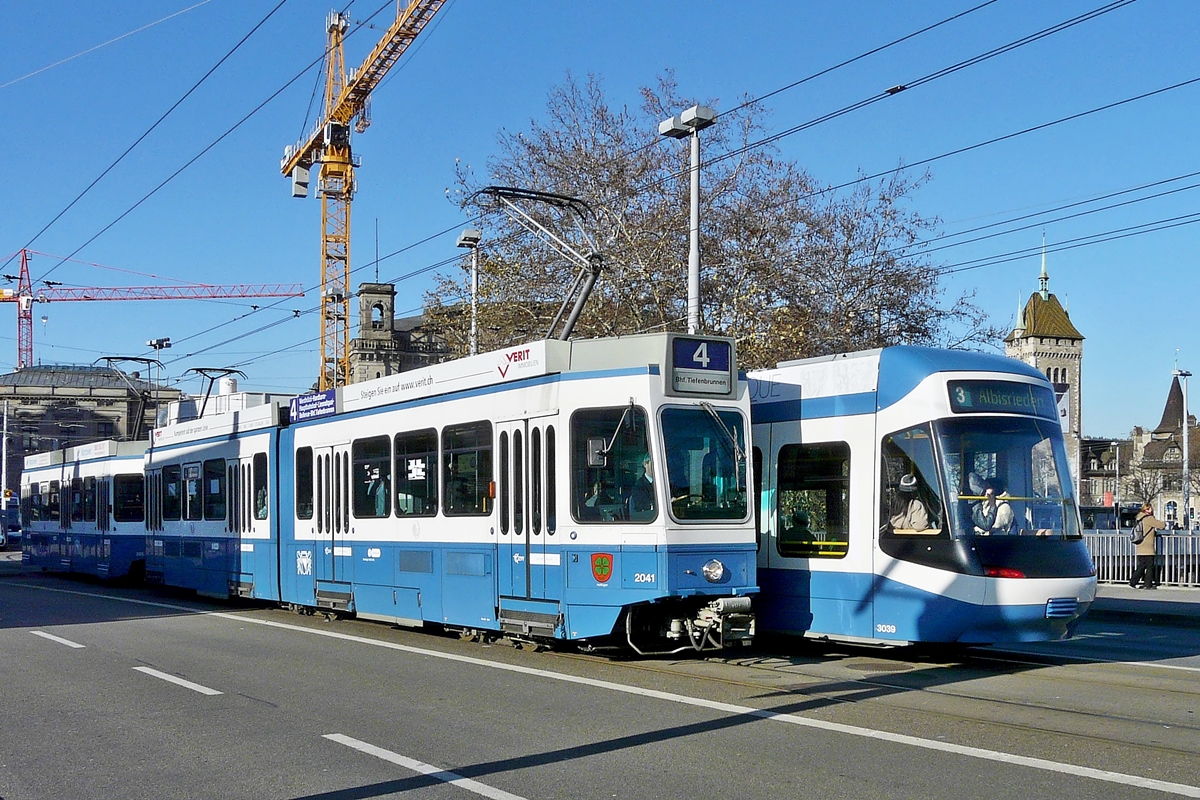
(386, 345)
(1045, 338)
(51, 407)
(1156, 474)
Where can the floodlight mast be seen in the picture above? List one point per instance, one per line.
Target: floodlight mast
(590, 265)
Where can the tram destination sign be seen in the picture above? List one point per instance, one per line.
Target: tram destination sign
(1005, 397)
(702, 366)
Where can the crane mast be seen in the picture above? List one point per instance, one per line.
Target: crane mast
(347, 101)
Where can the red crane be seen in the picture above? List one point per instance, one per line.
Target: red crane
(25, 297)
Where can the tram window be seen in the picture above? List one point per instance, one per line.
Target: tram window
(813, 500)
(304, 483)
(1023, 462)
(172, 501)
(535, 481)
(910, 497)
(214, 489)
(52, 501)
(756, 454)
(77, 500)
(193, 491)
(608, 449)
(706, 462)
(89, 499)
(129, 496)
(372, 477)
(551, 505)
(467, 455)
(260, 485)
(30, 503)
(518, 485)
(416, 473)
(505, 493)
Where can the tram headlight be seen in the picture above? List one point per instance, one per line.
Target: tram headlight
(713, 571)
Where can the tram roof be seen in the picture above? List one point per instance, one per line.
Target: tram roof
(890, 372)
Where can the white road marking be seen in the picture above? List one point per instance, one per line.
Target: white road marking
(1182, 789)
(195, 687)
(423, 768)
(58, 639)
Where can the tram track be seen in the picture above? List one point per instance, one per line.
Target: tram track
(1012, 718)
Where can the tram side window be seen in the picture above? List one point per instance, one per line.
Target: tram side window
(304, 483)
(371, 477)
(609, 448)
(756, 454)
(76, 499)
(129, 498)
(416, 473)
(172, 499)
(31, 504)
(813, 500)
(467, 455)
(53, 499)
(259, 477)
(214, 489)
(911, 501)
(89, 499)
(193, 492)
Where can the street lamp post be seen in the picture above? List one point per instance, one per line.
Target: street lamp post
(1116, 446)
(690, 123)
(469, 238)
(1187, 515)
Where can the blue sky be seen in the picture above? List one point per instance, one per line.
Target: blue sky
(483, 66)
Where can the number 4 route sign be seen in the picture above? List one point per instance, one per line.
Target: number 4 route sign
(702, 366)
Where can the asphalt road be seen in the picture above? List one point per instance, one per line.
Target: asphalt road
(112, 692)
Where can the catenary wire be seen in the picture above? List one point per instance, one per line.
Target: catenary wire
(147, 132)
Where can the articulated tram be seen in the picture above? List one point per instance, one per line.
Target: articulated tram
(83, 509)
(915, 495)
(634, 491)
(590, 491)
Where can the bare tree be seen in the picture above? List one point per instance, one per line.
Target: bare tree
(788, 268)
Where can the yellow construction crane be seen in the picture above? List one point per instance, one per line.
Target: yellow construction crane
(347, 100)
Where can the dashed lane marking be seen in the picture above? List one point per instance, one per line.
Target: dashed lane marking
(195, 687)
(423, 768)
(58, 639)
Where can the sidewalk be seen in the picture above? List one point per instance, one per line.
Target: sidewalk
(1166, 603)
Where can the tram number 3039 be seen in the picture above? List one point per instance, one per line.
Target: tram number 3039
(885, 628)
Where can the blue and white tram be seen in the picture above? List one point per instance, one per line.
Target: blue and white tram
(83, 509)
(582, 490)
(211, 492)
(912, 494)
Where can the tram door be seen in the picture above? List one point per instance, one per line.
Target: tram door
(331, 474)
(529, 563)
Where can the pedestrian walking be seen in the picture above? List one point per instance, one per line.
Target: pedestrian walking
(1145, 535)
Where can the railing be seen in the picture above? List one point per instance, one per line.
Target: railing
(1113, 554)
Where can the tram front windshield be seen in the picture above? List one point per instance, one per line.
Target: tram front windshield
(1006, 476)
(706, 462)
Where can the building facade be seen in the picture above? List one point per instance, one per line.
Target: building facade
(386, 345)
(51, 407)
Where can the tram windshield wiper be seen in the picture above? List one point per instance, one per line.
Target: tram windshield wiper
(738, 452)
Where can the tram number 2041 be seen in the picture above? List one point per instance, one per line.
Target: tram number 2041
(885, 628)
(643, 577)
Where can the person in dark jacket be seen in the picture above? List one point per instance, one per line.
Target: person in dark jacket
(1146, 527)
